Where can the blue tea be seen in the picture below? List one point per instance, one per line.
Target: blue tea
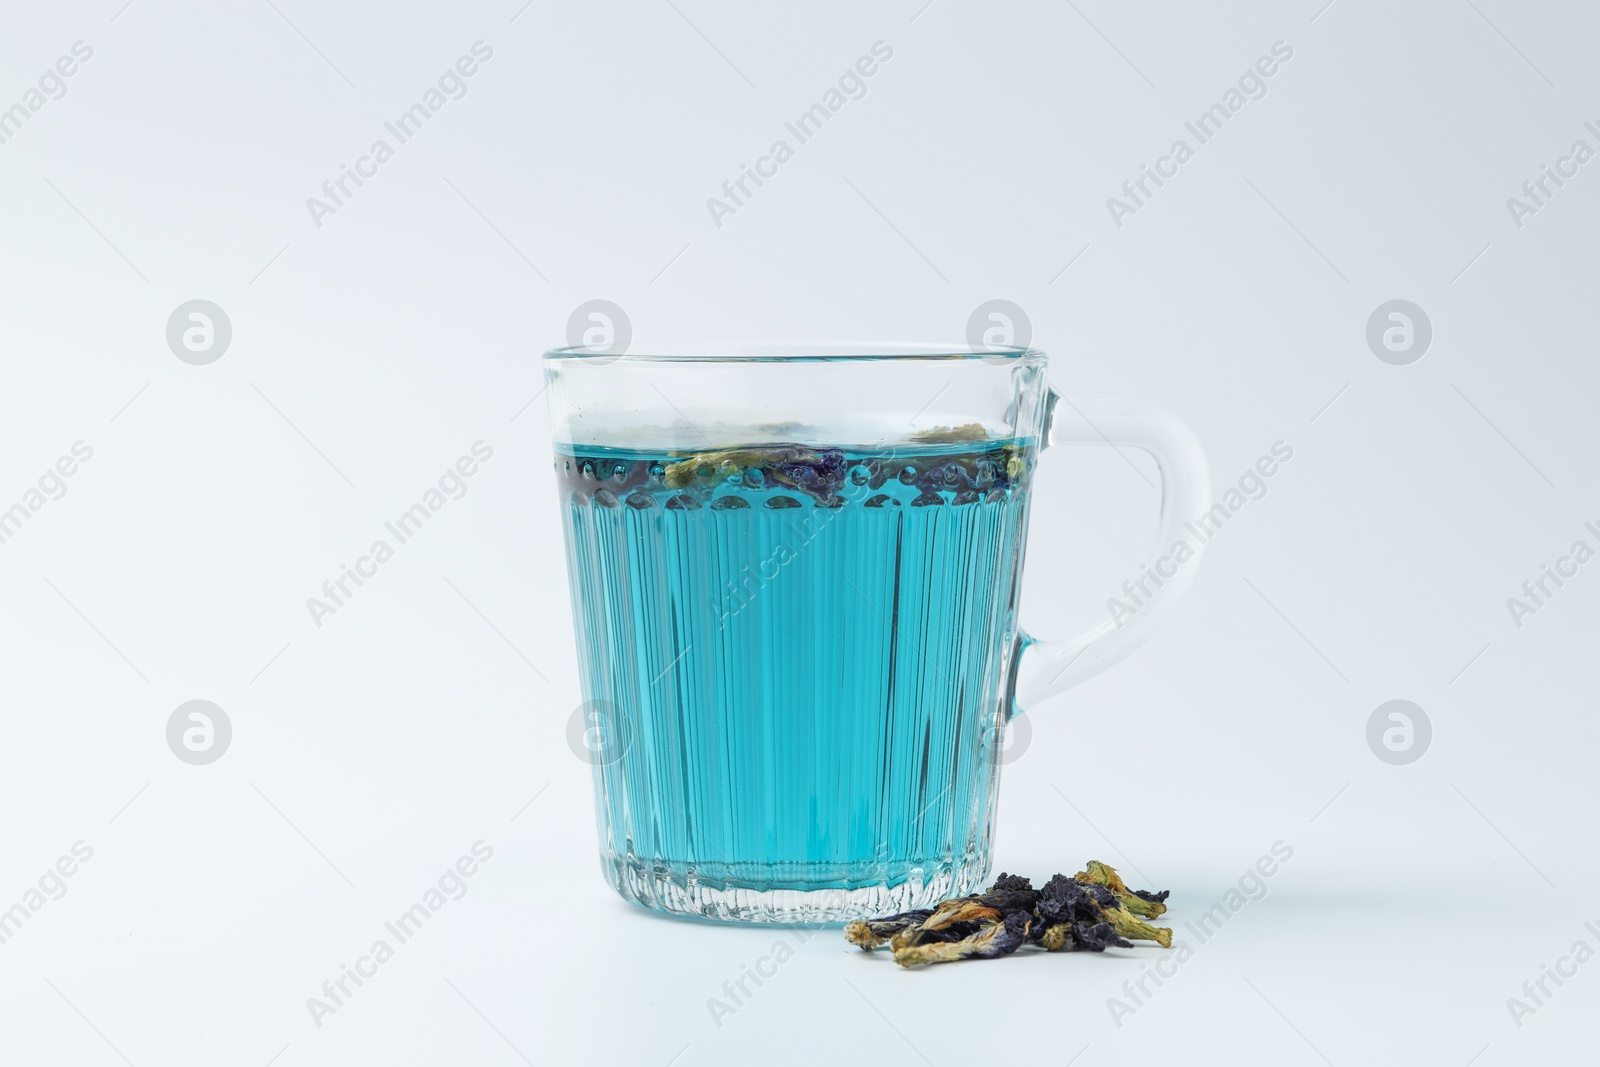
(794, 658)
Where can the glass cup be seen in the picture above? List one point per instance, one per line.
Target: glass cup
(795, 576)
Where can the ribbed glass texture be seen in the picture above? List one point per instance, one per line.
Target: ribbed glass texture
(794, 660)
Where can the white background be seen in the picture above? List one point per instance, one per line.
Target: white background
(368, 354)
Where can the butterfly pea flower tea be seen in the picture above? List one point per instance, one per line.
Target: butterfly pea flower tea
(795, 578)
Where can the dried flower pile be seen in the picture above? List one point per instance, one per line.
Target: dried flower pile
(1092, 910)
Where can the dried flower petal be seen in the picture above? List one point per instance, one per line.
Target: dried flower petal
(1011, 883)
(1140, 902)
(994, 940)
(1097, 937)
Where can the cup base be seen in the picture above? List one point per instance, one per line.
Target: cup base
(701, 894)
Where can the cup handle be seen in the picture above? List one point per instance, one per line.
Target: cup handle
(1045, 668)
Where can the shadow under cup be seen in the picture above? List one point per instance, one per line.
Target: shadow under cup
(794, 580)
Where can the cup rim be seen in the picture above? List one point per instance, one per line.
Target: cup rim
(796, 352)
